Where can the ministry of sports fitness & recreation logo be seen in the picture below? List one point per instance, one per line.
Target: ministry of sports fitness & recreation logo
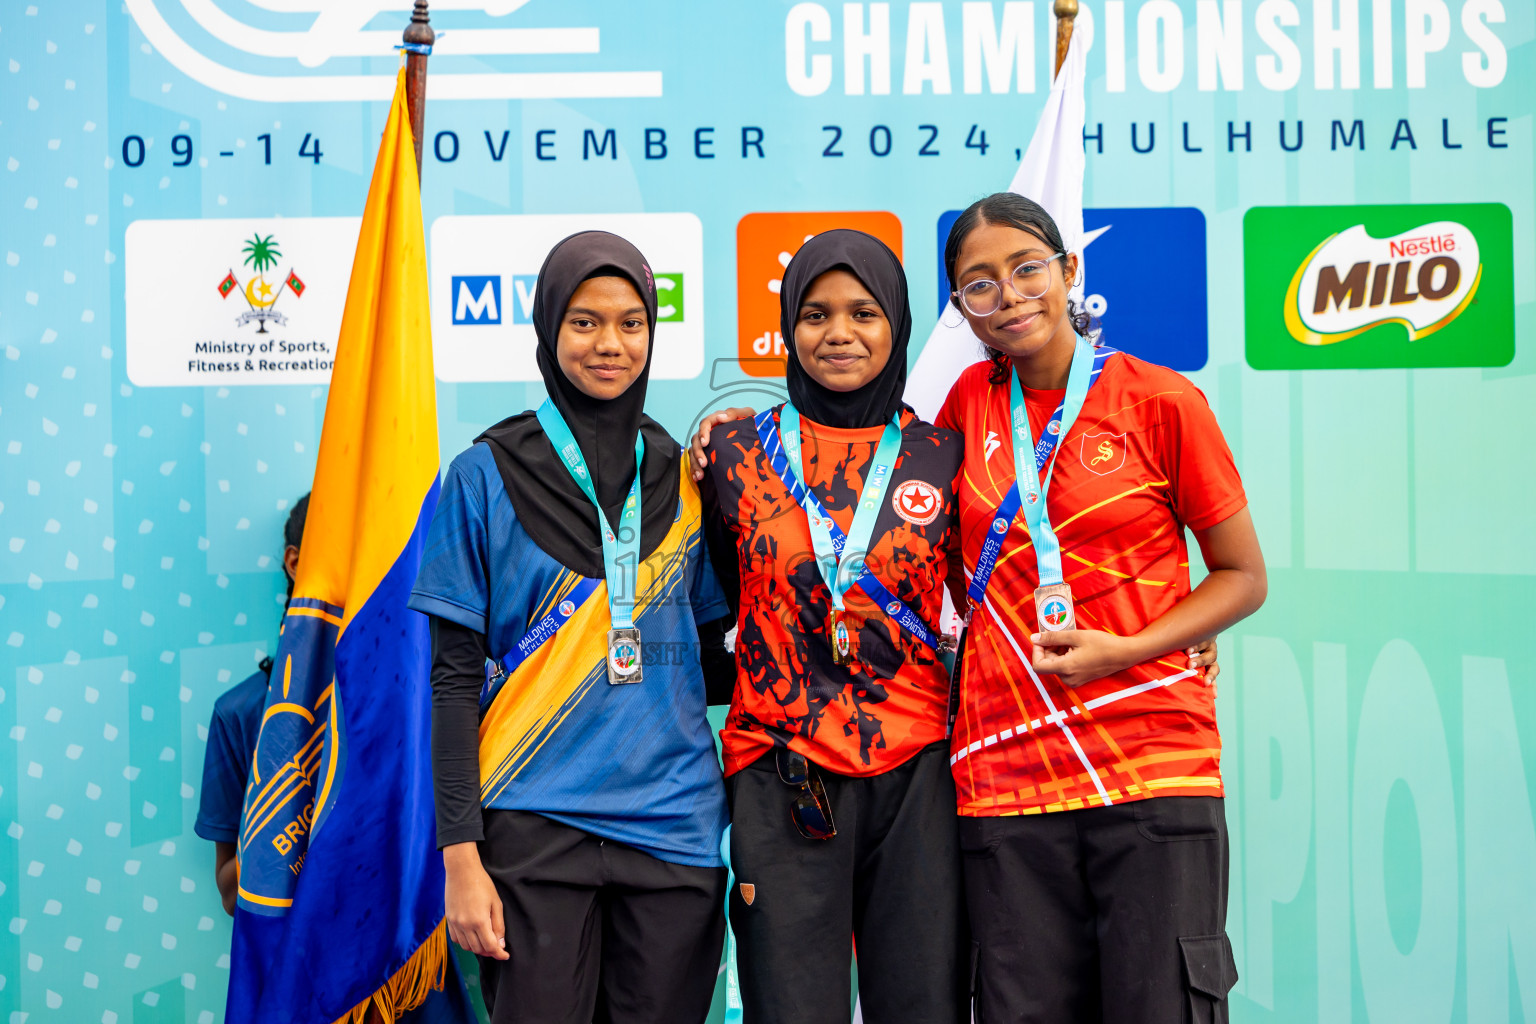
(261, 293)
(1368, 287)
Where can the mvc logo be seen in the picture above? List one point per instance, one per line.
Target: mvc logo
(477, 298)
(483, 276)
(275, 55)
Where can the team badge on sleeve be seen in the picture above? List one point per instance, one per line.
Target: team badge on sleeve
(917, 501)
(1103, 453)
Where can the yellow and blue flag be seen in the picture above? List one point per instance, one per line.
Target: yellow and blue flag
(341, 885)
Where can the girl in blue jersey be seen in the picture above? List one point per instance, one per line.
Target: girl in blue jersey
(580, 805)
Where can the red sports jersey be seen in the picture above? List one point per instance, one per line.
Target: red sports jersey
(871, 716)
(1144, 460)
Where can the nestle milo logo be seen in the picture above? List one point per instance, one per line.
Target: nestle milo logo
(1379, 286)
(1423, 280)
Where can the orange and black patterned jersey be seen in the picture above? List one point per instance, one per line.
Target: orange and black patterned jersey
(1144, 460)
(872, 715)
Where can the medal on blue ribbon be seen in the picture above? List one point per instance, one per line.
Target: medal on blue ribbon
(620, 548)
(841, 557)
(1053, 597)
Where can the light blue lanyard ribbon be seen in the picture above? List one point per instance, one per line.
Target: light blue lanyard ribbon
(621, 547)
(841, 557)
(773, 446)
(733, 1014)
(1027, 492)
(1032, 491)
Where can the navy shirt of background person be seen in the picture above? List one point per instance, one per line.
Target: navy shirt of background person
(232, 739)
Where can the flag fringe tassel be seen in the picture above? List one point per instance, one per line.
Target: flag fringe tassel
(409, 987)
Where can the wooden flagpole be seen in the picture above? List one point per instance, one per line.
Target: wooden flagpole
(1066, 14)
(418, 46)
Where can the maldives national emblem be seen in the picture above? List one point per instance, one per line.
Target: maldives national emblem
(261, 295)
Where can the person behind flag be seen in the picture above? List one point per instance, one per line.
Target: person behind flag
(1086, 754)
(842, 805)
(232, 733)
(580, 805)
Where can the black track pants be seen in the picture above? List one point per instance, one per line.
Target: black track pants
(889, 881)
(597, 931)
(1114, 914)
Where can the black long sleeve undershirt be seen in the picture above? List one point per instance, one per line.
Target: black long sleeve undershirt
(458, 674)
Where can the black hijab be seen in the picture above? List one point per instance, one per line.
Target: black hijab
(549, 505)
(872, 262)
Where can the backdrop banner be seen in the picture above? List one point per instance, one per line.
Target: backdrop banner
(1322, 211)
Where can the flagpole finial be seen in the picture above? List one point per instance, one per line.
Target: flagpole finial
(1066, 14)
(418, 40)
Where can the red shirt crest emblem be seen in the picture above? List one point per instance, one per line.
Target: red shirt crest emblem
(918, 502)
(1103, 453)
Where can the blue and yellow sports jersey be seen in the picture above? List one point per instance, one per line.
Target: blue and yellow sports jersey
(631, 763)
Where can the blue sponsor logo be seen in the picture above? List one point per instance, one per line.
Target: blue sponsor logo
(522, 297)
(1139, 312)
(477, 299)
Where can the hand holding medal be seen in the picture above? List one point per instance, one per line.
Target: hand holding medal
(1053, 597)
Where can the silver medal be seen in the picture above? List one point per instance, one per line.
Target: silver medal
(624, 656)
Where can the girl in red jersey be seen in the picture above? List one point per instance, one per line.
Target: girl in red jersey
(830, 516)
(1085, 754)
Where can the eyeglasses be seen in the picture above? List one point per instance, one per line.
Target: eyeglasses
(1029, 280)
(811, 811)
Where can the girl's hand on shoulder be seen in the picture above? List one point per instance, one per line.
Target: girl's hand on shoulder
(701, 439)
(1078, 656)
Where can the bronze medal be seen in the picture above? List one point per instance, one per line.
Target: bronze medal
(841, 637)
(1053, 608)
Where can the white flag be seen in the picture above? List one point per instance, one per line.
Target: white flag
(1052, 175)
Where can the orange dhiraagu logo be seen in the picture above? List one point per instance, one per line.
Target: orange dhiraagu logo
(1378, 287)
(765, 243)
